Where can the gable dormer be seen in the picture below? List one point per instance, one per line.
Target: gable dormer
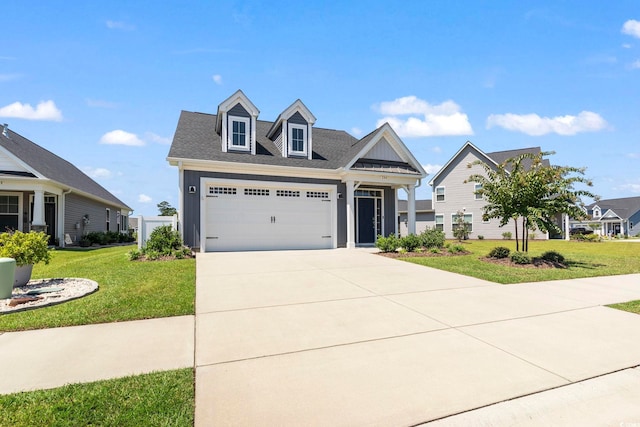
(597, 212)
(292, 131)
(236, 124)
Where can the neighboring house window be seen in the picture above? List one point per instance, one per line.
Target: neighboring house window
(118, 221)
(439, 194)
(597, 213)
(239, 134)
(108, 218)
(468, 220)
(440, 222)
(297, 139)
(477, 188)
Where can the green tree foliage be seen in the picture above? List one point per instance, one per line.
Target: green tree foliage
(166, 209)
(526, 189)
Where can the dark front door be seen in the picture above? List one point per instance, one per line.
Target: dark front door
(366, 220)
(50, 220)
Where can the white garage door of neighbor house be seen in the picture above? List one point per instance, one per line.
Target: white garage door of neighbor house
(267, 216)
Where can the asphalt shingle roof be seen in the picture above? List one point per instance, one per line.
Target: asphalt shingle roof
(501, 156)
(196, 139)
(55, 168)
(625, 207)
(421, 206)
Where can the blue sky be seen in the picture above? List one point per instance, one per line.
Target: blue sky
(102, 84)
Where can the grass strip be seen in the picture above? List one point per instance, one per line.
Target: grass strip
(156, 399)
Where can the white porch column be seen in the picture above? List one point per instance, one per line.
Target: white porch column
(411, 209)
(351, 231)
(566, 227)
(38, 209)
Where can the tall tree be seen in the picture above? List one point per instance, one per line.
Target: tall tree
(166, 209)
(525, 188)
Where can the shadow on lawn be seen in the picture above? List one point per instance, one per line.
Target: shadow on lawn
(585, 265)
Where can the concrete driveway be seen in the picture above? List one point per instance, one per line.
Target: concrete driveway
(350, 338)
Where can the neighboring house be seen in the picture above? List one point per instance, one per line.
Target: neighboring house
(612, 217)
(452, 195)
(249, 184)
(425, 216)
(41, 191)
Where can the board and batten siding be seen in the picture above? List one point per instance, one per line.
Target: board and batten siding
(76, 207)
(383, 151)
(191, 214)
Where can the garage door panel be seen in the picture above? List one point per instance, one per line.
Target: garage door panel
(252, 218)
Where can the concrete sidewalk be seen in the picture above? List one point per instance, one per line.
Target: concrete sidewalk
(349, 338)
(48, 358)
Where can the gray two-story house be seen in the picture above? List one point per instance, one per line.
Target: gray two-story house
(250, 184)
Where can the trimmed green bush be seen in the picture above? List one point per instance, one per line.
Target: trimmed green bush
(480, 237)
(499, 252)
(520, 258)
(553, 256)
(456, 249)
(25, 248)
(432, 238)
(410, 242)
(507, 235)
(164, 240)
(390, 243)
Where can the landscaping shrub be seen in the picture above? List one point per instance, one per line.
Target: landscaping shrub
(552, 256)
(134, 254)
(507, 235)
(435, 250)
(499, 252)
(432, 238)
(410, 242)
(520, 258)
(456, 249)
(390, 243)
(480, 237)
(164, 240)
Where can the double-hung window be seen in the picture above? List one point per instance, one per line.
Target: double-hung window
(477, 188)
(239, 133)
(440, 222)
(297, 139)
(439, 194)
(467, 220)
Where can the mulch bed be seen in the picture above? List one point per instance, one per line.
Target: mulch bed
(535, 263)
(425, 254)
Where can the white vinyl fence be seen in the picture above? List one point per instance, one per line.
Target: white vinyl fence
(146, 224)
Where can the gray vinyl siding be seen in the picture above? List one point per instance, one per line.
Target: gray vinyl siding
(77, 206)
(460, 196)
(424, 220)
(297, 119)
(634, 224)
(238, 110)
(191, 214)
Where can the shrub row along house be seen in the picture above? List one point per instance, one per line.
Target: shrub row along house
(249, 184)
(43, 192)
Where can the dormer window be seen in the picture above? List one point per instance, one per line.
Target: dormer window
(297, 139)
(597, 213)
(239, 135)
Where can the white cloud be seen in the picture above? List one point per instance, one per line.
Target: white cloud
(635, 65)
(119, 25)
(431, 169)
(97, 172)
(45, 110)
(533, 124)
(632, 28)
(631, 187)
(433, 120)
(150, 136)
(120, 137)
(143, 198)
(437, 149)
(356, 131)
(98, 103)
(217, 78)
(627, 45)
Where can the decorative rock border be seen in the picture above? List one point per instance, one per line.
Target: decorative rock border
(47, 292)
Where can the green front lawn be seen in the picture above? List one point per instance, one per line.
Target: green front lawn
(585, 260)
(129, 290)
(157, 399)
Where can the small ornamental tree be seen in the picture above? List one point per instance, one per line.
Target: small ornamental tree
(527, 189)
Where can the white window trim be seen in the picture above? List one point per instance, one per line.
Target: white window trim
(476, 196)
(247, 133)
(444, 197)
(453, 220)
(19, 195)
(435, 225)
(305, 139)
(598, 210)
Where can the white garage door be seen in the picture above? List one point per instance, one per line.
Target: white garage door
(267, 216)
